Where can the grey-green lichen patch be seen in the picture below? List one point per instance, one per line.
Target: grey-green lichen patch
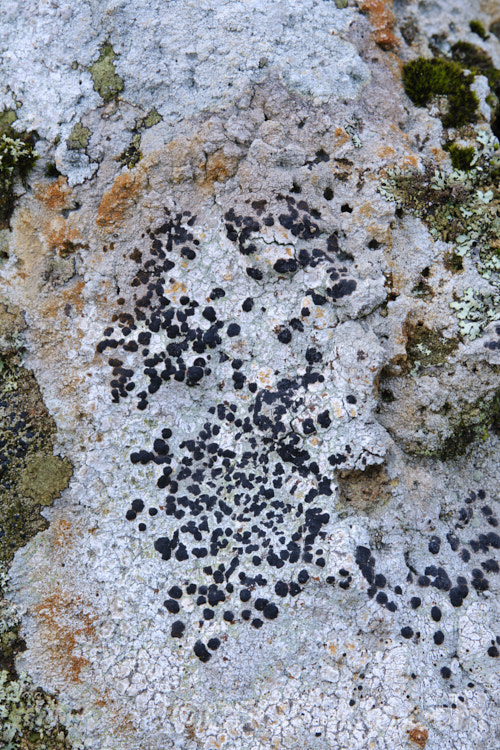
(152, 118)
(30, 477)
(79, 137)
(107, 82)
(461, 207)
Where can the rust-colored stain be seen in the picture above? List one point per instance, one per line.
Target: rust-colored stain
(61, 530)
(64, 622)
(117, 201)
(71, 294)
(381, 18)
(55, 195)
(418, 735)
(219, 168)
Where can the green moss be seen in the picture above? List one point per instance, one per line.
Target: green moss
(477, 28)
(79, 137)
(107, 82)
(476, 60)
(461, 157)
(52, 171)
(424, 79)
(17, 157)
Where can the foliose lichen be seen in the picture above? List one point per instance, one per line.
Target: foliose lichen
(461, 207)
(17, 157)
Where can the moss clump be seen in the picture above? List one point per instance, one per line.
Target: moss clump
(426, 79)
(473, 424)
(79, 137)
(17, 157)
(461, 157)
(477, 61)
(107, 82)
(477, 28)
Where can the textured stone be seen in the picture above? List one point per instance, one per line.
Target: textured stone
(259, 312)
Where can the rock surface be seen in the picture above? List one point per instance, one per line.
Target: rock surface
(258, 288)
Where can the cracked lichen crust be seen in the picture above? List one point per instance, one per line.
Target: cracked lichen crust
(245, 559)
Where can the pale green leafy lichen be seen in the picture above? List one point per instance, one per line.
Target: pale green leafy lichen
(461, 207)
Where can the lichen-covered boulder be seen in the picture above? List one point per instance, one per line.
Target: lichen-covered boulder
(250, 402)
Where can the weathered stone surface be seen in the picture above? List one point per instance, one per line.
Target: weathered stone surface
(259, 291)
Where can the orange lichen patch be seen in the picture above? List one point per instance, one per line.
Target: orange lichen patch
(409, 160)
(59, 233)
(117, 201)
(385, 152)
(54, 195)
(219, 168)
(418, 735)
(61, 531)
(341, 136)
(72, 294)
(65, 622)
(382, 21)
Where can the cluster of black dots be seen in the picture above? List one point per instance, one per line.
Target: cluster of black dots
(494, 343)
(236, 509)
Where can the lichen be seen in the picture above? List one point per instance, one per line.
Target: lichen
(17, 157)
(152, 118)
(79, 137)
(30, 477)
(425, 79)
(463, 208)
(426, 349)
(107, 82)
(132, 154)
